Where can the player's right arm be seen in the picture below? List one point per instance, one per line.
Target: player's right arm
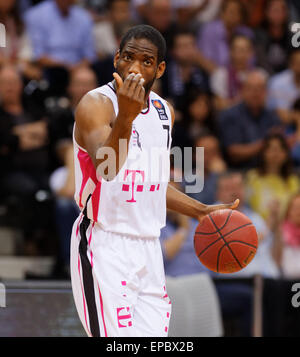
(98, 130)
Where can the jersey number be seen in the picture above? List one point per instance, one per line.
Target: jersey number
(167, 127)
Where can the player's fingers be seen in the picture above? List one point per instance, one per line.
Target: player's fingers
(127, 83)
(235, 204)
(140, 91)
(118, 80)
(134, 84)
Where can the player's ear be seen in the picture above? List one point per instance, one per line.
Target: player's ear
(160, 69)
(116, 58)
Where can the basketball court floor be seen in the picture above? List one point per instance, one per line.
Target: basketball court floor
(39, 309)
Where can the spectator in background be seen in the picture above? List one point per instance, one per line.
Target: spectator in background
(18, 49)
(293, 133)
(294, 6)
(284, 89)
(186, 70)
(177, 240)
(107, 38)
(96, 8)
(138, 9)
(215, 36)
(109, 33)
(61, 117)
(226, 82)
(62, 180)
(213, 165)
(235, 297)
(232, 185)
(203, 10)
(210, 12)
(62, 39)
(243, 127)
(198, 117)
(273, 182)
(177, 244)
(291, 239)
(24, 150)
(187, 11)
(273, 38)
(159, 14)
(255, 11)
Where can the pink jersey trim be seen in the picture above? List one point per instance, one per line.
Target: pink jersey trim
(100, 296)
(87, 170)
(83, 297)
(102, 312)
(96, 200)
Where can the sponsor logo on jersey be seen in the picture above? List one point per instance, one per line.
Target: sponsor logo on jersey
(158, 105)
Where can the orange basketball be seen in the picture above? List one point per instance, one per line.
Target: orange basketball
(225, 241)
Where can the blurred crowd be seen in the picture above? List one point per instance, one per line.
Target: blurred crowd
(233, 78)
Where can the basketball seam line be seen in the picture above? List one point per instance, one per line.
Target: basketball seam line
(233, 241)
(225, 235)
(204, 233)
(225, 240)
(218, 258)
(239, 241)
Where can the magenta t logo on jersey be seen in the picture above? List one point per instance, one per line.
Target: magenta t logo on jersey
(139, 188)
(124, 317)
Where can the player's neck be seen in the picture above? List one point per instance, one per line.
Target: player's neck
(146, 102)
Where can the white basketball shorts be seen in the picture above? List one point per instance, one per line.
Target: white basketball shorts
(118, 283)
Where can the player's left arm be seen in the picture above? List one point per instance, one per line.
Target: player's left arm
(182, 203)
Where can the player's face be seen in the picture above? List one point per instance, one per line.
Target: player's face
(139, 56)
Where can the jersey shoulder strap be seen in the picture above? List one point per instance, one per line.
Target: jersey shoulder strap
(109, 91)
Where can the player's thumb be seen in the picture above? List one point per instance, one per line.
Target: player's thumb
(118, 79)
(235, 204)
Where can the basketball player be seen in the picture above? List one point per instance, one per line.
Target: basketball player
(117, 269)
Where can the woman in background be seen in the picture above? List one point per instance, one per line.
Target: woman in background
(273, 182)
(291, 239)
(273, 38)
(198, 118)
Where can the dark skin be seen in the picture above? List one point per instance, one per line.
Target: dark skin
(136, 69)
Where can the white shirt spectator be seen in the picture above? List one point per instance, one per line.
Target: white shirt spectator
(283, 91)
(209, 13)
(105, 40)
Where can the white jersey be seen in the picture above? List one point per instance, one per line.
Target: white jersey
(134, 202)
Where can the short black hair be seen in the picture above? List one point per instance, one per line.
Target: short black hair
(149, 33)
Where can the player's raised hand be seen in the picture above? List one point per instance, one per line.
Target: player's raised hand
(131, 95)
(212, 208)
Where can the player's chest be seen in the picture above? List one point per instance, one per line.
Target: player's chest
(150, 131)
